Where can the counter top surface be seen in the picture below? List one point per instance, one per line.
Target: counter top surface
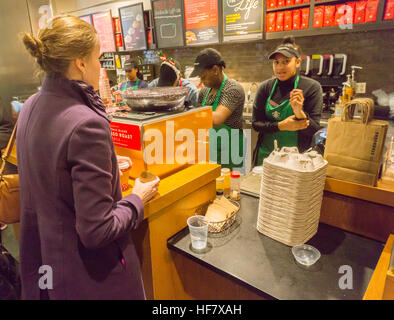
(268, 266)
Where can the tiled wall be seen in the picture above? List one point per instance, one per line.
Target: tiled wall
(247, 62)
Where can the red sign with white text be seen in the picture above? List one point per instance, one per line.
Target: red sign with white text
(126, 135)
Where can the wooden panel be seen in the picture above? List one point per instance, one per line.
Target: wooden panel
(178, 185)
(163, 225)
(365, 218)
(376, 285)
(202, 283)
(382, 194)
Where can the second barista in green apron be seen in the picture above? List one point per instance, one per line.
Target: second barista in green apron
(133, 82)
(287, 107)
(227, 98)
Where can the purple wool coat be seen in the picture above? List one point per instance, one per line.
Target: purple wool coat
(73, 217)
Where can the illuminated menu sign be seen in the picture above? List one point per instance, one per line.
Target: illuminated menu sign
(201, 22)
(242, 20)
(133, 27)
(104, 26)
(168, 17)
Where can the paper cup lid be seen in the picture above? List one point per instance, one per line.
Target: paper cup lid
(124, 165)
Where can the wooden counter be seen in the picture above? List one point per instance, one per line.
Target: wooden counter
(376, 285)
(179, 195)
(382, 194)
(365, 210)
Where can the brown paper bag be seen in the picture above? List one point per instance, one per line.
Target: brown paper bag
(354, 147)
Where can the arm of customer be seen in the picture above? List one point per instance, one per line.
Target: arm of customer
(99, 219)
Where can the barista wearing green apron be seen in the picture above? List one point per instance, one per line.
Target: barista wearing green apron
(133, 82)
(227, 98)
(288, 107)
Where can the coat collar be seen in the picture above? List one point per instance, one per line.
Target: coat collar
(76, 89)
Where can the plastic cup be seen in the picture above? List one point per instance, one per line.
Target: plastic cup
(198, 228)
(124, 167)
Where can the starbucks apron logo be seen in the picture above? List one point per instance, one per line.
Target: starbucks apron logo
(276, 114)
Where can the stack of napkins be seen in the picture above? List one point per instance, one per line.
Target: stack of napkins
(291, 194)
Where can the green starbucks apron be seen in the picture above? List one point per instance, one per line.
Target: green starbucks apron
(230, 163)
(279, 113)
(133, 88)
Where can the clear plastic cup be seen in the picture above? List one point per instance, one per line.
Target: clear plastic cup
(198, 228)
(124, 167)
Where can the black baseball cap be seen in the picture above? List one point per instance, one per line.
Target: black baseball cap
(206, 59)
(129, 65)
(287, 51)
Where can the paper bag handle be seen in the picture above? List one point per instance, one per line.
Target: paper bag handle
(367, 109)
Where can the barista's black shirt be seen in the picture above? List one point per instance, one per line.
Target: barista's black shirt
(313, 102)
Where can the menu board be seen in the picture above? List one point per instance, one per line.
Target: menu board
(133, 27)
(87, 18)
(168, 18)
(103, 24)
(201, 22)
(242, 20)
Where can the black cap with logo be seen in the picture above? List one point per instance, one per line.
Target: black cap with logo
(129, 65)
(206, 59)
(287, 50)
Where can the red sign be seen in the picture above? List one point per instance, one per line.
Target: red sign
(103, 24)
(126, 135)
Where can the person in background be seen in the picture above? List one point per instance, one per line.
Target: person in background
(133, 83)
(227, 98)
(6, 127)
(171, 76)
(288, 107)
(73, 217)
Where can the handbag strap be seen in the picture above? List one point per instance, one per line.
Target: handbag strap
(7, 153)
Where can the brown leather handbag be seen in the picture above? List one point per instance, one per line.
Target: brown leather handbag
(9, 189)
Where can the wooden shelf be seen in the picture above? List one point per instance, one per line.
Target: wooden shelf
(296, 6)
(318, 3)
(358, 27)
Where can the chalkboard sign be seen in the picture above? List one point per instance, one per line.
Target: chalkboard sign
(201, 22)
(133, 27)
(242, 20)
(168, 18)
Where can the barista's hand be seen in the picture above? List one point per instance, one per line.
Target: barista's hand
(291, 124)
(146, 191)
(297, 102)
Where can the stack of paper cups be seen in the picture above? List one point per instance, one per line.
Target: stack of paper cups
(291, 194)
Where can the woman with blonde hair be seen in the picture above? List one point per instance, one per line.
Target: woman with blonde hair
(75, 225)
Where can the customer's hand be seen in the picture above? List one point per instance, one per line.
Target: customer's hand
(146, 191)
(291, 124)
